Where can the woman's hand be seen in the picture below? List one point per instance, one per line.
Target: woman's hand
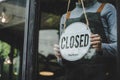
(96, 41)
(57, 51)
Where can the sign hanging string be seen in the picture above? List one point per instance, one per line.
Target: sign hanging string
(68, 13)
(84, 11)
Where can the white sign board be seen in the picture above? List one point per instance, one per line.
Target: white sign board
(75, 41)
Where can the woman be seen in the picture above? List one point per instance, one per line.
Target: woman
(103, 25)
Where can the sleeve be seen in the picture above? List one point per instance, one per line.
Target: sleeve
(110, 48)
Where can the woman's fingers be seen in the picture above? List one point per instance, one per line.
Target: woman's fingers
(56, 45)
(57, 51)
(95, 37)
(96, 41)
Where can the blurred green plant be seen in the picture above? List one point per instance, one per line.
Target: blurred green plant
(4, 49)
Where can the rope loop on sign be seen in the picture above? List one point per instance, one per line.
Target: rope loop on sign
(84, 12)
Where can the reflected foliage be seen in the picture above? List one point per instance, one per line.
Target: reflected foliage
(8, 64)
(4, 49)
(49, 21)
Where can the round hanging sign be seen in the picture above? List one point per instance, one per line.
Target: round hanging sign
(75, 41)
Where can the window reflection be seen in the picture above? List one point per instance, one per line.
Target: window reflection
(49, 68)
(12, 21)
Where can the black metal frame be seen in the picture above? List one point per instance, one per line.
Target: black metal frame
(29, 70)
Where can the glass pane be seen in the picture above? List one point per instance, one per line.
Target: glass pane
(99, 61)
(12, 22)
(48, 36)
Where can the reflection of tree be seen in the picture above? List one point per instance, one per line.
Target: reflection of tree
(6, 60)
(49, 21)
(4, 49)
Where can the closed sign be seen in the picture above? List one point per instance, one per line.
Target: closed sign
(75, 41)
